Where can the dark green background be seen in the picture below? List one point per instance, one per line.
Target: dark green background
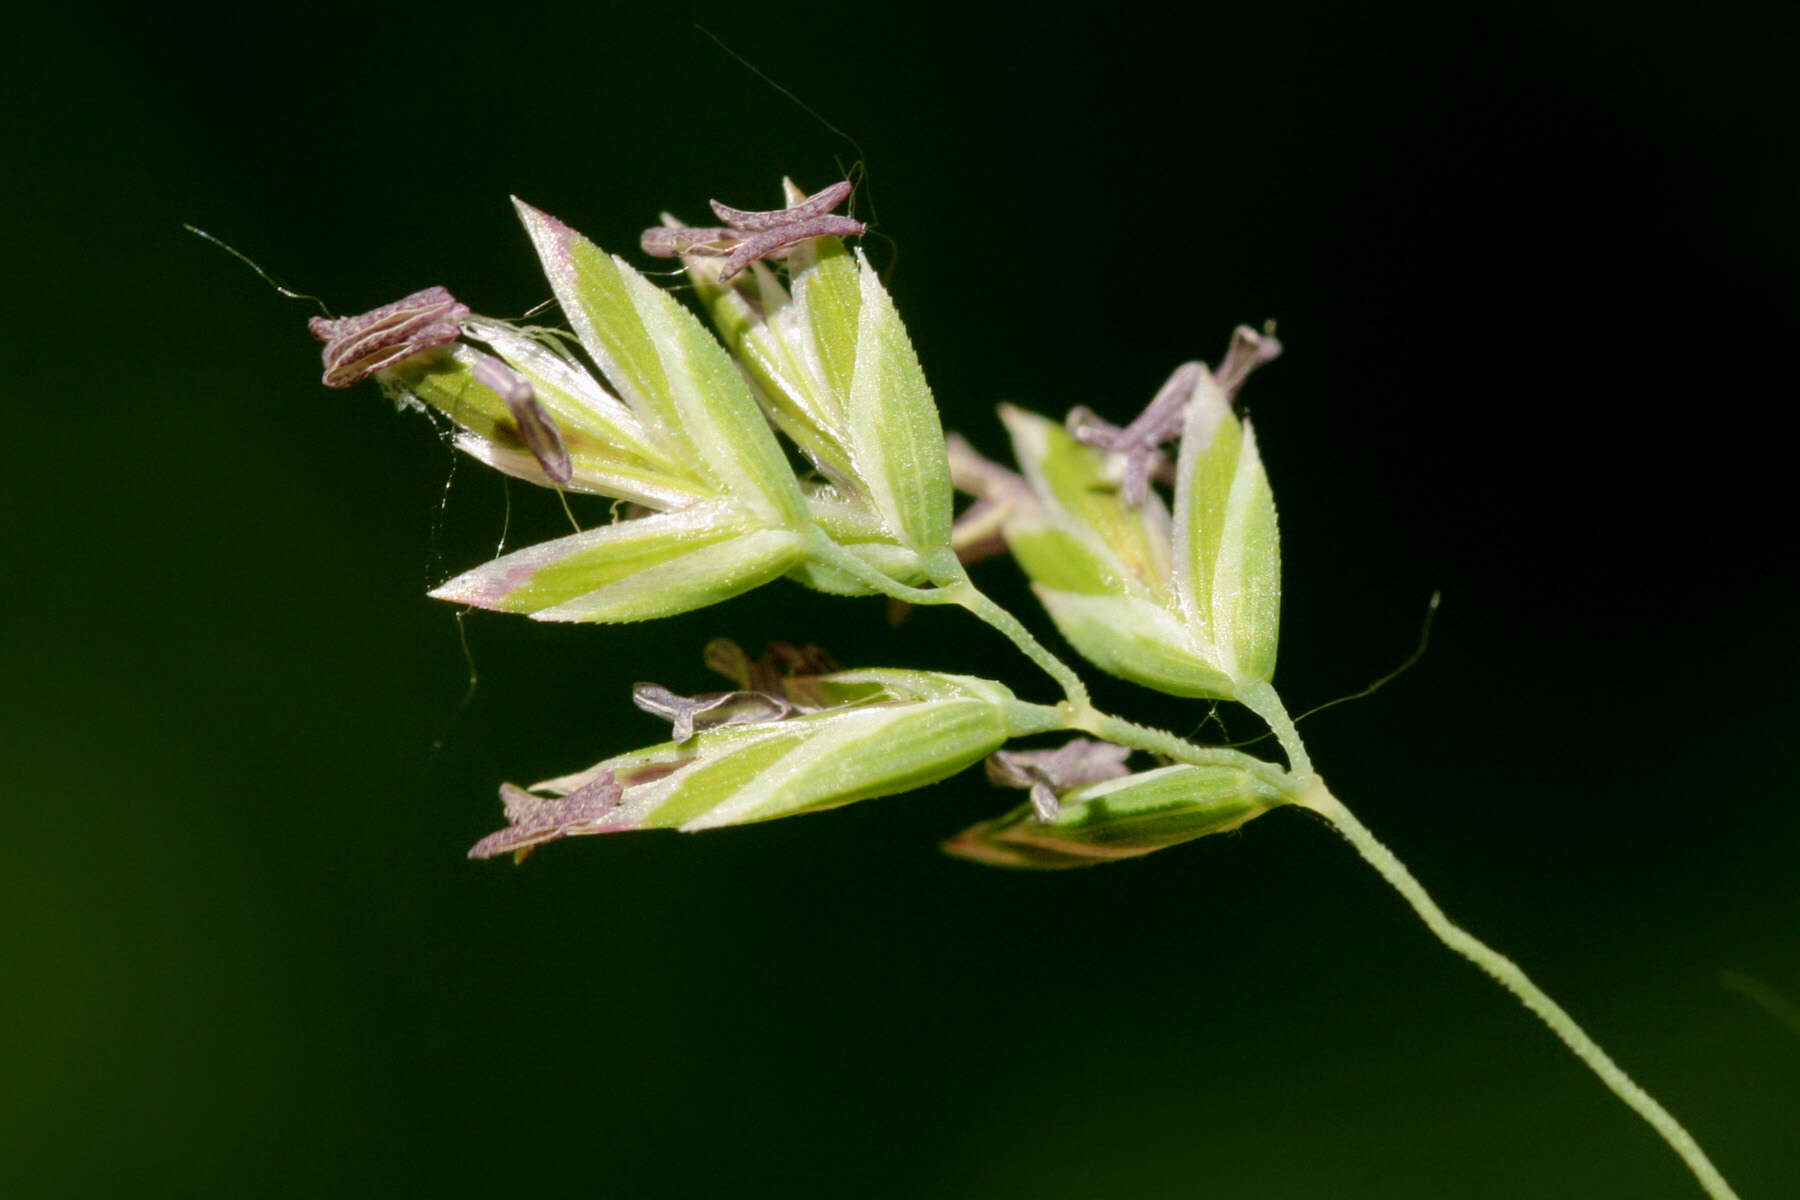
(1535, 265)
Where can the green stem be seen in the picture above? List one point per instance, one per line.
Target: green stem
(1262, 699)
(1509, 976)
(977, 603)
(1308, 790)
(1077, 711)
(825, 550)
(1089, 719)
(955, 587)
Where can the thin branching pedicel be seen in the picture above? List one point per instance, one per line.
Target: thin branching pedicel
(1159, 568)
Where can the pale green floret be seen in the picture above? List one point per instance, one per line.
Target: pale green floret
(768, 331)
(573, 396)
(1057, 557)
(679, 380)
(895, 731)
(895, 437)
(854, 756)
(1227, 548)
(830, 295)
(688, 435)
(1103, 568)
(1081, 489)
(652, 566)
(789, 347)
(590, 287)
(1183, 597)
(717, 410)
(1121, 818)
(836, 371)
(608, 452)
(1139, 641)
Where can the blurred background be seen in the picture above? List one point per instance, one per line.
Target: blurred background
(1535, 265)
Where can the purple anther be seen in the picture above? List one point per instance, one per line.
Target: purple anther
(776, 242)
(729, 659)
(532, 820)
(789, 660)
(536, 428)
(1047, 773)
(689, 715)
(673, 241)
(781, 662)
(1248, 351)
(752, 236)
(357, 347)
(1141, 441)
(1001, 494)
(815, 205)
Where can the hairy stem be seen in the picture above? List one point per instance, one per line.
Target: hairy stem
(1089, 719)
(1315, 796)
(1509, 976)
(976, 602)
(955, 587)
(1260, 698)
(827, 551)
(1308, 790)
